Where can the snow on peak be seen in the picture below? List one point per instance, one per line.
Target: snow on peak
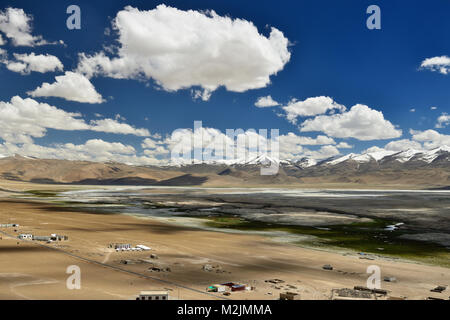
(262, 159)
(431, 155)
(378, 155)
(440, 149)
(341, 159)
(306, 162)
(405, 156)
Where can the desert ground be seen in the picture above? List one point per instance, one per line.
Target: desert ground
(36, 270)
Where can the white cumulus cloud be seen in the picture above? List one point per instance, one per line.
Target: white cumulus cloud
(343, 145)
(27, 63)
(70, 86)
(404, 144)
(293, 139)
(149, 143)
(114, 126)
(16, 25)
(323, 153)
(291, 146)
(360, 122)
(99, 147)
(443, 120)
(267, 101)
(439, 64)
(92, 150)
(22, 120)
(430, 138)
(183, 49)
(310, 107)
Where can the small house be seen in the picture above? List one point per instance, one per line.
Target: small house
(26, 236)
(275, 281)
(217, 288)
(390, 279)
(122, 246)
(153, 295)
(238, 287)
(235, 286)
(142, 247)
(56, 237)
(289, 296)
(42, 238)
(438, 289)
(9, 225)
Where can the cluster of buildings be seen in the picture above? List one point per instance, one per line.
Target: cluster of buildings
(229, 287)
(51, 238)
(358, 293)
(28, 236)
(9, 225)
(127, 247)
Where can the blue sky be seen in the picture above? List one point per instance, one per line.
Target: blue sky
(332, 54)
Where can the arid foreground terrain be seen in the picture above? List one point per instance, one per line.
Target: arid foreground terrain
(37, 270)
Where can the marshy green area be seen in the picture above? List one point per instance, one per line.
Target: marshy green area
(42, 193)
(367, 237)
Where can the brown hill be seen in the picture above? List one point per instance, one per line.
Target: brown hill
(345, 174)
(82, 172)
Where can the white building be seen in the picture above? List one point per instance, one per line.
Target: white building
(26, 236)
(56, 237)
(153, 295)
(122, 246)
(143, 248)
(9, 225)
(42, 238)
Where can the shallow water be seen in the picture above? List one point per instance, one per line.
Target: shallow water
(358, 220)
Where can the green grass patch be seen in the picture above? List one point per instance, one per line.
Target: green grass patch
(42, 193)
(368, 237)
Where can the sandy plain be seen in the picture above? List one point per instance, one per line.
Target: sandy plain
(35, 270)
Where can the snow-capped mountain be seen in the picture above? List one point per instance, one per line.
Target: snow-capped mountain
(260, 160)
(409, 168)
(405, 156)
(427, 156)
(350, 156)
(379, 157)
(433, 154)
(305, 162)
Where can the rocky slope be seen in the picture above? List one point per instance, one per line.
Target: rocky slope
(412, 168)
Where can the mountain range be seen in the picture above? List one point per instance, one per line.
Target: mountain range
(409, 168)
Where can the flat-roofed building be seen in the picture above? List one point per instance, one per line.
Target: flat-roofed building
(9, 225)
(26, 236)
(153, 295)
(289, 296)
(143, 248)
(42, 238)
(57, 237)
(217, 288)
(121, 246)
